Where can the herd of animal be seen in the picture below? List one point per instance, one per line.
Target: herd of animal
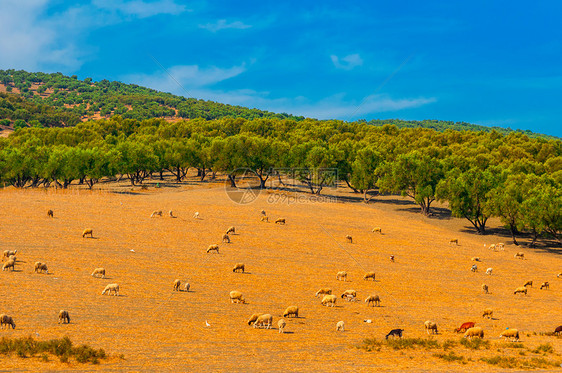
(265, 320)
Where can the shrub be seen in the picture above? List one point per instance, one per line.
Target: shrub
(475, 343)
(451, 356)
(402, 343)
(543, 348)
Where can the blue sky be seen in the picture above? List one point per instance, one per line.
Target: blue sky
(491, 63)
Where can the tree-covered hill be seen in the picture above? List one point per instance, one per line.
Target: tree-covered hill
(54, 100)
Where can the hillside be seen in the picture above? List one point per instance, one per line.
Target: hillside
(64, 101)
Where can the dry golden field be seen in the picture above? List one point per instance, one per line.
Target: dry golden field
(157, 329)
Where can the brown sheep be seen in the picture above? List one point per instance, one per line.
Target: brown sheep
(485, 288)
(88, 231)
(156, 213)
(349, 238)
(369, 275)
(291, 311)
(519, 255)
(231, 230)
(280, 221)
(528, 283)
(7, 320)
(64, 317)
(238, 267)
(488, 312)
(265, 219)
(50, 214)
(40, 267)
(455, 241)
(544, 285)
(377, 229)
(521, 289)
(226, 238)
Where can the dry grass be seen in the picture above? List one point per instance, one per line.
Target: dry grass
(158, 329)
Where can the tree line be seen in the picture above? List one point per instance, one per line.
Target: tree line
(479, 174)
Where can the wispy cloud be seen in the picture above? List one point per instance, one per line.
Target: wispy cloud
(222, 24)
(140, 8)
(348, 62)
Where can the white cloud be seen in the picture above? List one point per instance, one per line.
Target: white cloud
(222, 25)
(348, 62)
(140, 8)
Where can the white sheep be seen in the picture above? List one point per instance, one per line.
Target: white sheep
(488, 312)
(281, 325)
(350, 295)
(369, 275)
(226, 238)
(521, 289)
(264, 321)
(500, 246)
(236, 296)
(430, 325)
(489, 271)
(238, 267)
(156, 213)
(474, 268)
(9, 253)
(329, 300)
(266, 220)
(213, 247)
(473, 332)
(177, 284)
(341, 276)
(7, 320)
(109, 288)
(323, 291)
(280, 221)
(492, 247)
(64, 317)
(196, 215)
(231, 230)
(40, 267)
(171, 214)
(99, 271)
(186, 287)
(88, 231)
(291, 311)
(512, 334)
(10, 263)
(559, 275)
(254, 317)
(340, 326)
(373, 300)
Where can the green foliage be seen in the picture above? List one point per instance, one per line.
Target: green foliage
(450, 357)
(543, 348)
(475, 343)
(404, 343)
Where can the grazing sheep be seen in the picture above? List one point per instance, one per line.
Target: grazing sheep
(329, 300)
(9, 253)
(500, 246)
(7, 320)
(10, 263)
(238, 267)
(474, 268)
(529, 283)
(213, 247)
(558, 330)
(492, 246)
(171, 214)
(377, 229)
(464, 327)
(264, 321)
(88, 231)
(341, 276)
(340, 326)
(291, 311)
(236, 296)
(64, 317)
(488, 312)
(475, 259)
(512, 334)
(521, 289)
(40, 267)
(349, 238)
(226, 238)
(99, 271)
(485, 288)
(186, 287)
(350, 295)
(430, 325)
(253, 318)
(263, 212)
(50, 214)
(156, 213)
(489, 271)
(519, 255)
(373, 300)
(280, 221)
(281, 325)
(177, 284)
(109, 288)
(196, 215)
(392, 258)
(231, 230)
(544, 285)
(475, 331)
(324, 291)
(369, 275)
(559, 275)
(395, 333)
(266, 220)
(455, 241)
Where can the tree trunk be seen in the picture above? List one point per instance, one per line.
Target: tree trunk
(352, 188)
(513, 230)
(232, 179)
